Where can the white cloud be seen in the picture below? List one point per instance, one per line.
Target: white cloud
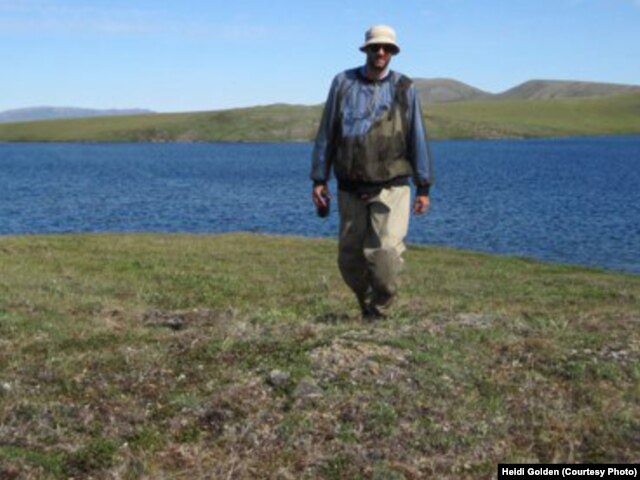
(32, 16)
(46, 16)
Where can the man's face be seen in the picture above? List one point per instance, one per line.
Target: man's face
(379, 56)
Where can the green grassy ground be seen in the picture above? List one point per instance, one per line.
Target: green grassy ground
(271, 123)
(243, 356)
(488, 119)
(537, 118)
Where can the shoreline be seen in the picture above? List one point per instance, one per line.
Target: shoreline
(578, 116)
(525, 259)
(302, 141)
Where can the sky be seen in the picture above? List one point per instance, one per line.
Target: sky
(195, 55)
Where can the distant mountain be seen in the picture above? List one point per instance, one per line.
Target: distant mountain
(50, 113)
(441, 90)
(545, 89)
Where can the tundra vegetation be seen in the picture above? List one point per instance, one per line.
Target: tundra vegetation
(243, 356)
(471, 119)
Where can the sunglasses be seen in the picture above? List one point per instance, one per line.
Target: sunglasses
(375, 48)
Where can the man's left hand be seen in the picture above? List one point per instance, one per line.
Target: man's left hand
(421, 204)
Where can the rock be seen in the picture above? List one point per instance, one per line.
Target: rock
(170, 320)
(5, 388)
(175, 323)
(307, 388)
(278, 378)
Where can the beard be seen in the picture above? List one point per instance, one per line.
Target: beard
(376, 63)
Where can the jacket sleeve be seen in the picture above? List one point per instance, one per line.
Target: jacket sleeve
(321, 156)
(418, 145)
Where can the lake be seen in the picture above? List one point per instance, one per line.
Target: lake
(573, 200)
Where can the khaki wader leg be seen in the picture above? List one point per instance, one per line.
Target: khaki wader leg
(354, 223)
(372, 233)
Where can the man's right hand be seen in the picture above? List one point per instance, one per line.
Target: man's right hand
(421, 204)
(318, 197)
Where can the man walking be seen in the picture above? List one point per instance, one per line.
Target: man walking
(373, 138)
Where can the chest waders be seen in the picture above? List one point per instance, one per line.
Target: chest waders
(380, 154)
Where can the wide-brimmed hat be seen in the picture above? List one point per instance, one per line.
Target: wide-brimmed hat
(380, 34)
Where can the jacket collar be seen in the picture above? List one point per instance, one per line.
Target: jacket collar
(362, 71)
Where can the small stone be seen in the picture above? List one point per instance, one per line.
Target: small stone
(307, 388)
(5, 388)
(175, 323)
(278, 378)
(375, 455)
(373, 367)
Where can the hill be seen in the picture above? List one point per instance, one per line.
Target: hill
(440, 90)
(547, 89)
(558, 117)
(611, 115)
(539, 108)
(49, 113)
(267, 123)
(197, 356)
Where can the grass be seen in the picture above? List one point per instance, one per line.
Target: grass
(149, 356)
(269, 123)
(482, 119)
(559, 117)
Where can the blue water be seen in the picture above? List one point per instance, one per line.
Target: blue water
(564, 200)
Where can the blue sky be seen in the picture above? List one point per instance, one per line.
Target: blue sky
(169, 55)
